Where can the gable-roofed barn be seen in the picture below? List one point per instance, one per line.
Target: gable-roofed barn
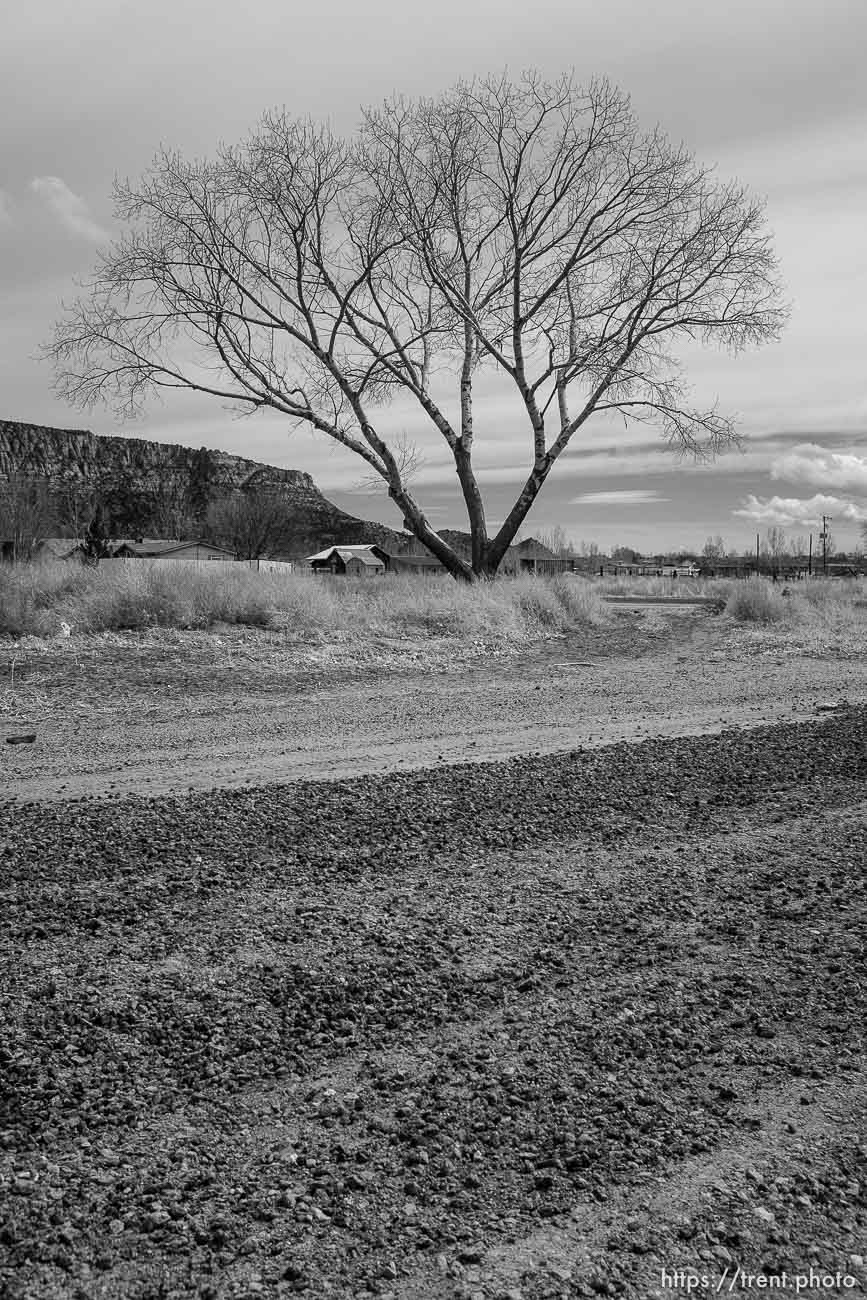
(350, 561)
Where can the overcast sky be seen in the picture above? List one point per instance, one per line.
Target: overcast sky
(772, 91)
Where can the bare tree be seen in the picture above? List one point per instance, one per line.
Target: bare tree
(409, 460)
(714, 549)
(529, 227)
(251, 522)
(775, 548)
(73, 505)
(556, 539)
(26, 515)
(170, 519)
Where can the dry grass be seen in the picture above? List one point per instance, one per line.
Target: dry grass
(651, 586)
(756, 600)
(38, 600)
(818, 613)
(752, 599)
(815, 617)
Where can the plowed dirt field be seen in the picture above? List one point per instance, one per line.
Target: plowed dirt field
(550, 984)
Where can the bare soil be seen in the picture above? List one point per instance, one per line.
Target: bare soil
(129, 713)
(584, 1020)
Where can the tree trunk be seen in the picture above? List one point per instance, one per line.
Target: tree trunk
(475, 509)
(457, 567)
(517, 515)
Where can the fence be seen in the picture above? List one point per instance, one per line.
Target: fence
(261, 566)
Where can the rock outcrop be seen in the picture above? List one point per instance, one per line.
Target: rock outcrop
(152, 479)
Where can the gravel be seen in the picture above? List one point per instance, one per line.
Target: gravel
(536, 1028)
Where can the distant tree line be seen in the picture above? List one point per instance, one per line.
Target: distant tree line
(257, 520)
(252, 521)
(25, 515)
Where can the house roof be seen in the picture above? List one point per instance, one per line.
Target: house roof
(533, 543)
(154, 546)
(426, 560)
(372, 561)
(146, 541)
(364, 553)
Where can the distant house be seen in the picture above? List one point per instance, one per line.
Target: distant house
(529, 556)
(657, 567)
(686, 569)
(350, 561)
(733, 567)
(533, 556)
(414, 557)
(787, 569)
(411, 562)
(149, 548)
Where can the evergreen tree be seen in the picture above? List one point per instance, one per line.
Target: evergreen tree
(203, 473)
(96, 544)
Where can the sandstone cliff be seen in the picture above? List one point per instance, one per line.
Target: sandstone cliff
(149, 480)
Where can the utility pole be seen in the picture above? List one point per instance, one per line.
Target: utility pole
(810, 559)
(826, 519)
(757, 553)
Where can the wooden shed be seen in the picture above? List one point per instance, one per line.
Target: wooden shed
(350, 561)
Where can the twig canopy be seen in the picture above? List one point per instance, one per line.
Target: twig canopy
(527, 226)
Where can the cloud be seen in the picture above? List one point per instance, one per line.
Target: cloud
(625, 497)
(5, 213)
(69, 208)
(786, 511)
(811, 463)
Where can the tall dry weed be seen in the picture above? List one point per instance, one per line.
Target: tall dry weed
(118, 595)
(755, 600)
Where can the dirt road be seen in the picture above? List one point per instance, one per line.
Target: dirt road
(125, 715)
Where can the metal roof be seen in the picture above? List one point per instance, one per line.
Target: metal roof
(152, 547)
(363, 553)
(416, 560)
(368, 558)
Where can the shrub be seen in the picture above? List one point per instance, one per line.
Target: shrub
(755, 601)
(539, 605)
(580, 599)
(22, 613)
